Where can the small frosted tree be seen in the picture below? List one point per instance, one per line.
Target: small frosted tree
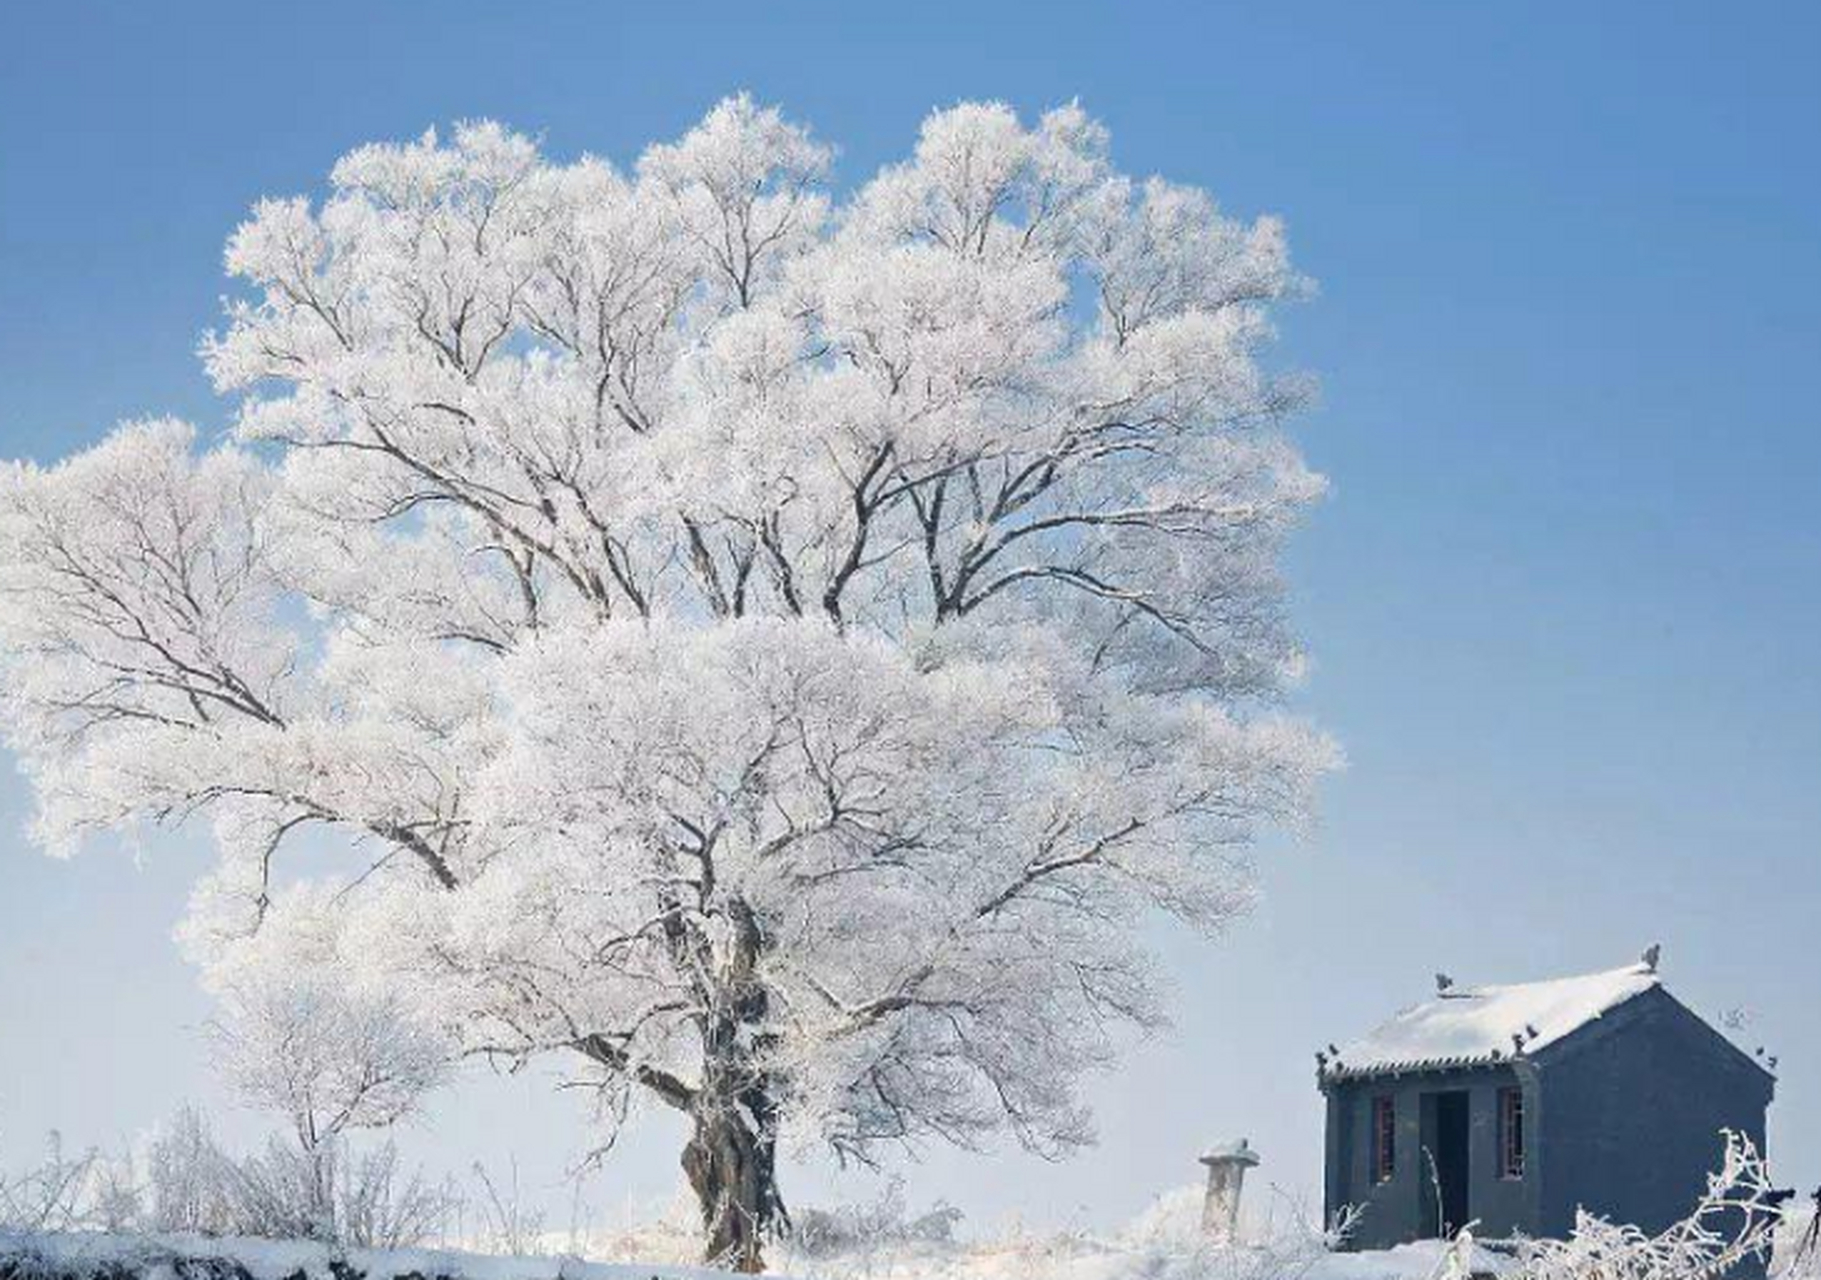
(187, 1178)
(332, 1062)
(773, 651)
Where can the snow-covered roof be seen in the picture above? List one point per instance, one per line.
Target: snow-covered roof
(1470, 1026)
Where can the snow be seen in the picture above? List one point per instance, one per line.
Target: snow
(1417, 1261)
(1474, 1025)
(89, 1253)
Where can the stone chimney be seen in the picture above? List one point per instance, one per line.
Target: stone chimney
(1227, 1165)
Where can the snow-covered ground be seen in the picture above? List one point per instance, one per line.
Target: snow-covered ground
(874, 1242)
(1164, 1243)
(96, 1254)
(93, 1254)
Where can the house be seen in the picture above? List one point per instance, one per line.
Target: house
(1513, 1106)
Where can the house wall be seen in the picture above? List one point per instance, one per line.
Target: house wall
(1631, 1112)
(1401, 1209)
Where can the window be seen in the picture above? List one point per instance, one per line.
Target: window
(1384, 1138)
(1511, 1133)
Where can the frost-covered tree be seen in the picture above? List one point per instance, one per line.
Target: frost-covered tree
(773, 648)
(330, 1061)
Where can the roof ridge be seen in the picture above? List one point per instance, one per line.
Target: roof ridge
(1636, 967)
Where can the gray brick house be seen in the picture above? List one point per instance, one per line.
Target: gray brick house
(1515, 1105)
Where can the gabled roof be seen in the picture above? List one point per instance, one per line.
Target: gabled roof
(1473, 1026)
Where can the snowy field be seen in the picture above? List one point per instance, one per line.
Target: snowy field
(1734, 1227)
(1164, 1243)
(99, 1255)
(879, 1242)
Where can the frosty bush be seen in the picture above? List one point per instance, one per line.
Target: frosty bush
(882, 1224)
(117, 1194)
(50, 1195)
(1734, 1224)
(1285, 1243)
(186, 1184)
(382, 1205)
(187, 1179)
(1798, 1248)
(507, 1223)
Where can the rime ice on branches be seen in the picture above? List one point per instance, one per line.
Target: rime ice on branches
(770, 647)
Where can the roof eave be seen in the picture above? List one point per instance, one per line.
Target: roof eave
(1430, 1066)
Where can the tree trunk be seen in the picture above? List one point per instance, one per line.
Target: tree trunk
(731, 1157)
(732, 1167)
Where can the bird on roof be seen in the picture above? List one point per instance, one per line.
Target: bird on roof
(1333, 1051)
(1517, 1042)
(1442, 983)
(1652, 954)
(1530, 1031)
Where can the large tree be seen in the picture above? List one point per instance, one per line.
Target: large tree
(773, 651)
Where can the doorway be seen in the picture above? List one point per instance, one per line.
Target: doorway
(1445, 1176)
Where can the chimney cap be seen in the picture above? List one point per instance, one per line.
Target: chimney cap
(1239, 1152)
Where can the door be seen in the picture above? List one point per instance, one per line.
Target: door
(1445, 1163)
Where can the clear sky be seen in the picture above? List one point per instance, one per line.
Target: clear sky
(1564, 604)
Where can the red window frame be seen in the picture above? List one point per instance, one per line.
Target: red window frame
(1511, 1133)
(1384, 1137)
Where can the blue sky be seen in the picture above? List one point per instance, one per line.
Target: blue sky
(1564, 603)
